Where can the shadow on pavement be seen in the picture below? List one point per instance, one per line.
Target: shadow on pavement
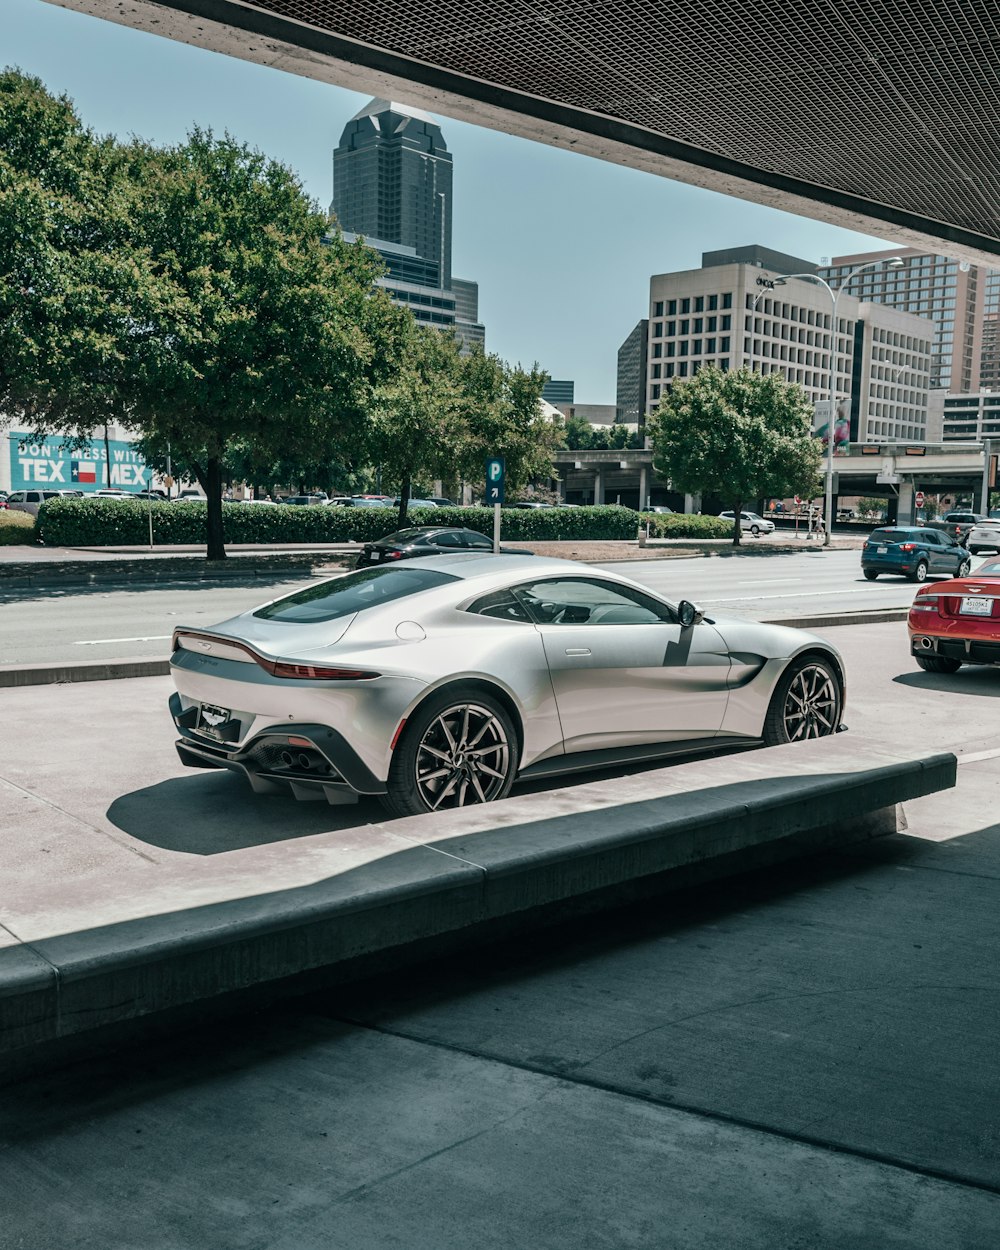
(212, 813)
(971, 679)
(113, 586)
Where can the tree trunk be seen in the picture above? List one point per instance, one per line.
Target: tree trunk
(216, 549)
(107, 456)
(737, 524)
(404, 500)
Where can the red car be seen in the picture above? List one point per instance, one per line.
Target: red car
(957, 622)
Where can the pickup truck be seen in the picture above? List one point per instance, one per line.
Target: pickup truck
(956, 524)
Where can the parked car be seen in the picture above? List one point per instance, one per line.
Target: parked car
(426, 540)
(750, 523)
(413, 503)
(957, 622)
(436, 683)
(442, 502)
(529, 503)
(29, 500)
(110, 492)
(913, 551)
(372, 501)
(304, 501)
(661, 507)
(984, 536)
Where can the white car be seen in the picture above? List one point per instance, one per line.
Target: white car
(984, 536)
(751, 523)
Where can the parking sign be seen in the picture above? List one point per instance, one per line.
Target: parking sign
(494, 480)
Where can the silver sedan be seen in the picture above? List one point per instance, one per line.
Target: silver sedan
(436, 683)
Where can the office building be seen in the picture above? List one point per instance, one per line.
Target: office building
(740, 314)
(949, 293)
(630, 392)
(971, 418)
(392, 185)
(989, 360)
(558, 393)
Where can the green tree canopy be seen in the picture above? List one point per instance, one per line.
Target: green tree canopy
(739, 435)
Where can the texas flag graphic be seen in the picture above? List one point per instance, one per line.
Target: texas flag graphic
(83, 471)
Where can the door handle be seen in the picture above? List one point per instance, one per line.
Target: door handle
(578, 651)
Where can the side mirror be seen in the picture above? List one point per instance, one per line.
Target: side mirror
(688, 614)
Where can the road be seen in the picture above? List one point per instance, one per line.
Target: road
(86, 622)
(801, 1058)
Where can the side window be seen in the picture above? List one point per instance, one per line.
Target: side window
(448, 539)
(16, 497)
(478, 542)
(501, 605)
(589, 601)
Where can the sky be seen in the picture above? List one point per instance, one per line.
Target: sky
(562, 245)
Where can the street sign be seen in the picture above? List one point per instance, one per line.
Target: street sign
(918, 499)
(494, 480)
(798, 499)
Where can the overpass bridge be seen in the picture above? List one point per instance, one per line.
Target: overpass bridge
(893, 471)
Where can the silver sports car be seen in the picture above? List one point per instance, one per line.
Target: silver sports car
(435, 683)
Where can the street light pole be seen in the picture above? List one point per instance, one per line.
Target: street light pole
(835, 295)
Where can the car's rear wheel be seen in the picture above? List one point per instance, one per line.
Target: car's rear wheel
(919, 574)
(459, 748)
(964, 569)
(938, 663)
(870, 574)
(807, 703)
(755, 530)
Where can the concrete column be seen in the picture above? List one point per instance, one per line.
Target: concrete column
(599, 486)
(561, 489)
(692, 503)
(643, 487)
(905, 512)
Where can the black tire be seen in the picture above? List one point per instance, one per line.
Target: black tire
(755, 530)
(459, 748)
(870, 574)
(964, 569)
(937, 663)
(807, 702)
(975, 550)
(919, 574)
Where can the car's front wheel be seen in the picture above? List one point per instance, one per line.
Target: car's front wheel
(964, 569)
(807, 703)
(460, 747)
(938, 663)
(919, 574)
(755, 530)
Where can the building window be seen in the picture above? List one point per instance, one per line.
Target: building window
(656, 370)
(657, 329)
(710, 347)
(682, 347)
(727, 300)
(699, 324)
(696, 347)
(656, 392)
(724, 345)
(657, 349)
(713, 323)
(726, 323)
(671, 349)
(671, 307)
(685, 327)
(682, 369)
(671, 328)
(658, 309)
(685, 305)
(669, 371)
(713, 303)
(699, 303)
(724, 364)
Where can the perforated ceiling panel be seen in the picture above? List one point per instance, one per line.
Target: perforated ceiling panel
(885, 107)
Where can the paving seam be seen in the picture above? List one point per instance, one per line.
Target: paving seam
(40, 798)
(719, 1117)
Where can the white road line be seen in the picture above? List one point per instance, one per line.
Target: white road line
(976, 756)
(98, 642)
(802, 594)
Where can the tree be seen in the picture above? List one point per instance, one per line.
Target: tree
(415, 428)
(70, 275)
(739, 435)
(264, 331)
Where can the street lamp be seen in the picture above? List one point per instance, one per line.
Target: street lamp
(892, 262)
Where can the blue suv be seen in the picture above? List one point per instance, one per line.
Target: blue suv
(914, 553)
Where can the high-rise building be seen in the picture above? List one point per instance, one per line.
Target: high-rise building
(989, 366)
(558, 393)
(949, 293)
(392, 184)
(630, 393)
(742, 314)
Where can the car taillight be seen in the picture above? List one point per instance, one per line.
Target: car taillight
(926, 603)
(907, 546)
(317, 672)
(394, 555)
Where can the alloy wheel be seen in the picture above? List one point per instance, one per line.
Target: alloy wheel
(811, 704)
(463, 757)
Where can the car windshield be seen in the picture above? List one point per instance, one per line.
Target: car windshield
(403, 536)
(891, 536)
(343, 596)
(988, 570)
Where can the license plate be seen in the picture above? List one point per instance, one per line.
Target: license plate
(213, 718)
(881, 550)
(972, 606)
(376, 556)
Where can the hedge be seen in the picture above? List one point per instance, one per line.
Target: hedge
(71, 522)
(16, 528)
(685, 525)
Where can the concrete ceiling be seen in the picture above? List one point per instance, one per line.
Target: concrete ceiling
(877, 116)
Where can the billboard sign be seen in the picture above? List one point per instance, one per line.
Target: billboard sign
(45, 463)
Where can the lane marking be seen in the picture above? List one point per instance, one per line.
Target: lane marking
(805, 594)
(976, 756)
(98, 642)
